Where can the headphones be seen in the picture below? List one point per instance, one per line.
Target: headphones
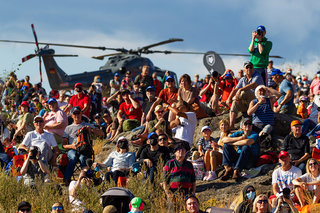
(140, 208)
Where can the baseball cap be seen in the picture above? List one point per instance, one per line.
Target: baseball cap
(75, 109)
(169, 77)
(227, 76)
(151, 87)
(97, 115)
(205, 127)
(151, 134)
(303, 98)
(247, 63)
(316, 100)
(116, 74)
(318, 72)
(128, 72)
(122, 138)
(78, 85)
(284, 154)
(38, 117)
(25, 103)
(261, 28)
(244, 121)
(136, 202)
(104, 99)
(276, 72)
(295, 122)
(24, 204)
(52, 100)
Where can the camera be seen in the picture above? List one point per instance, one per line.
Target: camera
(259, 32)
(34, 152)
(286, 193)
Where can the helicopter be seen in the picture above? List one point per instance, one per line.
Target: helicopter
(120, 62)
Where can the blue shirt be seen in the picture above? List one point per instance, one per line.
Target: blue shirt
(254, 136)
(256, 78)
(284, 87)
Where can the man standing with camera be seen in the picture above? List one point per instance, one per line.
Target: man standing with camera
(259, 49)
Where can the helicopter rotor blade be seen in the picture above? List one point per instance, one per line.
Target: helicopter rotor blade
(101, 57)
(159, 43)
(37, 44)
(62, 45)
(24, 59)
(200, 53)
(64, 55)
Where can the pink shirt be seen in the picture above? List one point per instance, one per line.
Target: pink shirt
(314, 87)
(55, 117)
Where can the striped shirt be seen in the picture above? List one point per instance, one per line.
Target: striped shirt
(264, 113)
(179, 175)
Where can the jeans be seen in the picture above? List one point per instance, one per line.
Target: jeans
(73, 157)
(4, 158)
(263, 73)
(307, 125)
(243, 160)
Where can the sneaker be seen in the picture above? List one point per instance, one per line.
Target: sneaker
(206, 175)
(212, 175)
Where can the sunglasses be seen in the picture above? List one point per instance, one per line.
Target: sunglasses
(249, 67)
(38, 121)
(262, 201)
(76, 113)
(160, 111)
(57, 208)
(247, 124)
(314, 164)
(170, 81)
(162, 139)
(25, 210)
(251, 190)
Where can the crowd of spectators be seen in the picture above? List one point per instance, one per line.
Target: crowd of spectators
(163, 116)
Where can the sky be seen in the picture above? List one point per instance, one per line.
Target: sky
(220, 26)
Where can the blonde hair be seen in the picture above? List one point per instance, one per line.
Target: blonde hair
(256, 201)
(95, 78)
(226, 123)
(308, 163)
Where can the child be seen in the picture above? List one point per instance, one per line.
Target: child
(210, 150)
(302, 107)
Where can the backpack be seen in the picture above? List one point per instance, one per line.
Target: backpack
(83, 144)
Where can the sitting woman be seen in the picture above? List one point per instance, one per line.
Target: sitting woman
(261, 109)
(159, 122)
(120, 161)
(261, 204)
(189, 94)
(245, 201)
(209, 149)
(310, 182)
(224, 127)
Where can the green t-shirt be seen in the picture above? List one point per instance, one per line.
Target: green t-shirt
(261, 60)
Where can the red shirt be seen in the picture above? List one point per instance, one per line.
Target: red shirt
(206, 97)
(130, 112)
(157, 86)
(226, 88)
(84, 99)
(167, 96)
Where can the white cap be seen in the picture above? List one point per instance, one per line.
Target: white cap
(316, 100)
(205, 127)
(122, 138)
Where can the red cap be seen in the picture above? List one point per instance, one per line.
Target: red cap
(295, 122)
(104, 99)
(283, 154)
(24, 103)
(78, 85)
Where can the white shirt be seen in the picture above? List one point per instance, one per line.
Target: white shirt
(43, 141)
(284, 178)
(307, 178)
(185, 130)
(76, 203)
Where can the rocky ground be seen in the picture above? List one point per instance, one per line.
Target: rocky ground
(225, 192)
